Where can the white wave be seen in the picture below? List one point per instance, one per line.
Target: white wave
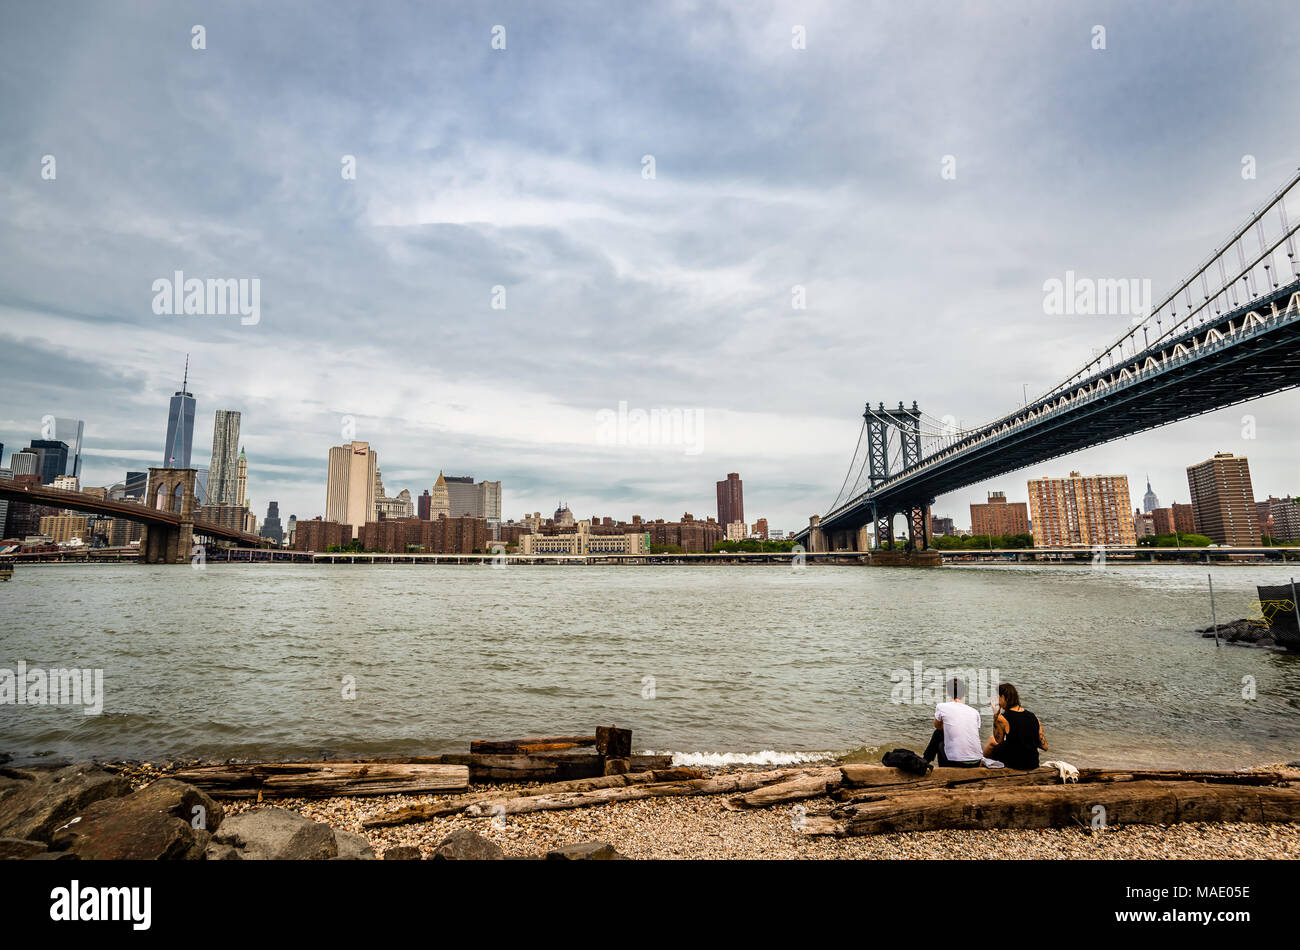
(766, 757)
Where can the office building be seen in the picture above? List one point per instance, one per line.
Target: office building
(292, 529)
(223, 467)
(1143, 523)
(201, 486)
(1224, 501)
(940, 527)
(271, 529)
(136, 484)
(423, 504)
(998, 517)
(392, 508)
(25, 462)
(1162, 520)
(66, 483)
(52, 456)
(760, 528)
(1284, 519)
(1086, 510)
(350, 485)
(731, 500)
(737, 531)
(180, 425)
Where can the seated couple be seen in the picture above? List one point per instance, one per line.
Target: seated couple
(1017, 733)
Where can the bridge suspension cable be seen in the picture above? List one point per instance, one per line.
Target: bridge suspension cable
(1224, 295)
(839, 496)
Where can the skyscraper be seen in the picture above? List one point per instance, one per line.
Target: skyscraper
(241, 478)
(271, 529)
(180, 426)
(350, 485)
(223, 483)
(25, 462)
(1223, 500)
(731, 500)
(1149, 501)
(136, 484)
(52, 456)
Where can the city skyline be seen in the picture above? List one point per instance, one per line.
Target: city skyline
(637, 284)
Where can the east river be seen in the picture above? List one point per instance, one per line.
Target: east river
(285, 661)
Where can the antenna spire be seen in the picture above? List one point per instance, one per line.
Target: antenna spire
(186, 379)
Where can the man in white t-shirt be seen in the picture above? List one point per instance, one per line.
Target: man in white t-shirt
(956, 738)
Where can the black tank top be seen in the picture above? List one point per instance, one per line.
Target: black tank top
(1019, 748)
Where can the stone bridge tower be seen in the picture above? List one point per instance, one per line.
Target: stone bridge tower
(171, 490)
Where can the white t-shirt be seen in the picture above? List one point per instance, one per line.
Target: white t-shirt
(961, 731)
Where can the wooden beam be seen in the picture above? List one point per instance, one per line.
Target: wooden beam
(324, 779)
(538, 744)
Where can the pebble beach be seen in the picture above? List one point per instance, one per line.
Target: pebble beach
(700, 827)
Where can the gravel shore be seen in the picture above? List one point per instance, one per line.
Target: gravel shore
(700, 827)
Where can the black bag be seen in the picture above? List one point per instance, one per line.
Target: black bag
(906, 760)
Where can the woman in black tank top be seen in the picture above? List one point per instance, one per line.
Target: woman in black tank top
(1017, 733)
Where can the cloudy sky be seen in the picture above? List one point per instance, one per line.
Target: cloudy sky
(648, 189)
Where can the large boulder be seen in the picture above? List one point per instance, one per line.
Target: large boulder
(464, 845)
(272, 834)
(586, 851)
(33, 803)
(166, 820)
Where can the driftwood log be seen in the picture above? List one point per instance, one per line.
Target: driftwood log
(715, 785)
(1140, 802)
(814, 784)
(459, 804)
(324, 779)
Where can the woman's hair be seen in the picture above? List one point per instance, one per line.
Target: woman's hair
(1008, 692)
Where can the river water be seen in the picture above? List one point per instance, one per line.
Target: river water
(713, 662)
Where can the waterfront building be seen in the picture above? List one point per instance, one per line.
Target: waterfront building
(941, 526)
(1087, 510)
(320, 535)
(582, 542)
(731, 500)
(65, 527)
(1162, 520)
(1149, 501)
(271, 529)
(180, 426)
(461, 535)
(998, 517)
(1223, 500)
(223, 467)
(760, 528)
(350, 486)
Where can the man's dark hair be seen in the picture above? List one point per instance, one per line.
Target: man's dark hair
(955, 687)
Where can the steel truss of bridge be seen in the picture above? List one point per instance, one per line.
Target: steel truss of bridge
(1238, 340)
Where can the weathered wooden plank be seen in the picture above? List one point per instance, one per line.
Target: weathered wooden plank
(881, 776)
(1061, 806)
(324, 779)
(526, 746)
(459, 804)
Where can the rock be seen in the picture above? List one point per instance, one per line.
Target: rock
(191, 805)
(403, 852)
(15, 849)
(32, 807)
(275, 834)
(464, 845)
(352, 847)
(130, 829)
(54, 856)
(586, 851)
(220, 852)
